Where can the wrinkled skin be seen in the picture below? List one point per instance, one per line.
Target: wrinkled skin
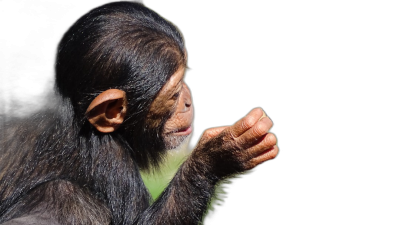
(175, 99)
(220, 153)
(242, 146)
(225, 150)
(72, 171)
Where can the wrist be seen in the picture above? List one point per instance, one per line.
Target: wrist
(199, 170)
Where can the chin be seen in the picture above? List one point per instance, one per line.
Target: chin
(173, 141)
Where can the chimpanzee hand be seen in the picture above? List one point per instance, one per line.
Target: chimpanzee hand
(228, 150)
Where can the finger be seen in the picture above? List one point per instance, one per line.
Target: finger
(246, 122)
(266, 143)
(266, 155)
(255, 133)
(264, 115)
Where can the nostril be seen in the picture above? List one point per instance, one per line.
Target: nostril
(188, 104)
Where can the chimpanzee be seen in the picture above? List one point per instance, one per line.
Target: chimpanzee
(121, 103)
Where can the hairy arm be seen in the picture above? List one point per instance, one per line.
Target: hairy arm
(221, 152)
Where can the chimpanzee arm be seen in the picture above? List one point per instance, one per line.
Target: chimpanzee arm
(184, 201)
(221, 152)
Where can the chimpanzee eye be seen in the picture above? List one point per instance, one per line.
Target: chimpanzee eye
(176, 95)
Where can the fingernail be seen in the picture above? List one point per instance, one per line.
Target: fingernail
(264, 115)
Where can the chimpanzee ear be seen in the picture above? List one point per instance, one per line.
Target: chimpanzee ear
(107, 111)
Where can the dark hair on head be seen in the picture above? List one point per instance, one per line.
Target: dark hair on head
(121, 45)
(118, 45)
(55, 161)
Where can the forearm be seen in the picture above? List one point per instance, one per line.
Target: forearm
(185, 200)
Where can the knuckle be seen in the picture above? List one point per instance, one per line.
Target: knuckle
(239, 143)
(270, 139)
(260, 129)
(244, 165)
(250, 165)
(248, 122)
(205, 137)
(228, 136)
(247, 166)
(237, 150)
(265, 156)
(207, 133)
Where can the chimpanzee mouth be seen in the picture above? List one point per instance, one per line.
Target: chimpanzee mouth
(184, 131)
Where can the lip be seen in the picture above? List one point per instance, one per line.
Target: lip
(184, 131)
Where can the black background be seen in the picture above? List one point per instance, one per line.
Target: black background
(242, 55)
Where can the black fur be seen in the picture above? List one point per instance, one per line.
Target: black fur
(54, 163)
